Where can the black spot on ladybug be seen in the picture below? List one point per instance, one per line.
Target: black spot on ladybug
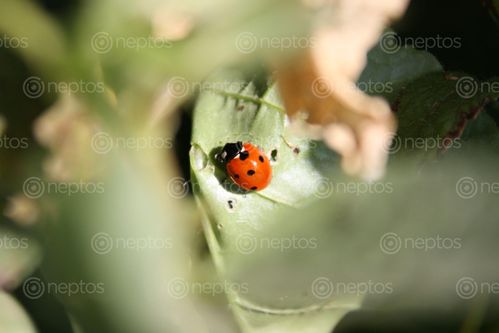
(250, 172)
(231, 204)
(273, 155)
(261, 158)
(254, 188)
(243, 155)
(236, 176)
(296, 150)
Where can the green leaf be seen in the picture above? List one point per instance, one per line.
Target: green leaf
(399, 238)
(387, 73)
(19, 257)
(234, 112)
(317, 320)
(440, 106)
(44, 39)
(129, 240)
(482, 131)
(244, 33)
(243, 116)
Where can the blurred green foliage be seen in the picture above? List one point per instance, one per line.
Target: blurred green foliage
(222, 260)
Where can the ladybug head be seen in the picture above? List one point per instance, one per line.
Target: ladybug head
(229, 151)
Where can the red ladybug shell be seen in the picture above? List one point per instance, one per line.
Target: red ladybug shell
(250, 168)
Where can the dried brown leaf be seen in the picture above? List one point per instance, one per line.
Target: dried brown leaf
(321, 83)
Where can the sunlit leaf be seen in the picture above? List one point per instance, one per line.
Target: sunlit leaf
(234, 216)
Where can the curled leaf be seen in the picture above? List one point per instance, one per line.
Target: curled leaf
(321, 82)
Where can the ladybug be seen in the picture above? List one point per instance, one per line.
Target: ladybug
(246, 165)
